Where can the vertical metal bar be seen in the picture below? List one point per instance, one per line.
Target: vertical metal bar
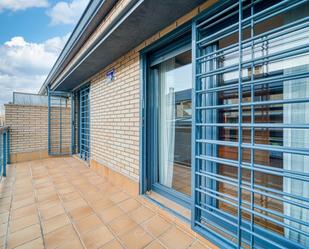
(80, 123)
(60, 126)
(49, 110)
(72, 122)
(193, 134)
(252, 131)
(239, 121)
(88, 132)
(4, 154)
(8, 147)
(1, 155)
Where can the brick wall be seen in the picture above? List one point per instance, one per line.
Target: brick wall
(115, 108)
(115, 117)
(28, 126)
(29, 131)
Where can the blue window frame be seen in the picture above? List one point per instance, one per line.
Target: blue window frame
(84, 123)
(250, 124)
(178, 43)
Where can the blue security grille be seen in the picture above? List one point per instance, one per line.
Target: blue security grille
(59, 123)
(84, 123)
(251, 124)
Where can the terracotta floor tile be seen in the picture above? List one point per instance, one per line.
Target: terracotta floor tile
(122, 224)
(4, 207)
(44, 185)
(175, 238)
(80, 202)
(155, 245)
(4, 217)
(156, 225)
(22, 203)
(22, 196)
(47, 213)
(75, 244)
(2, 241)
(110, 213)
(3, 229)
(24, 211)
(63, 188)
(70, 196)
(60, 237)
(46, 190)
(49, 202)
(24, 235)
(141, 214)
(136, 239)
(101, 204)
(97, 238)
(34, 244)
(88, 223)
(55, 223)
(114, 244)
(199, 245)
(47, 196)
(120, 196)
(129, 205)
(66, 190)
(80, 212)
(93, 196)
(23, 222)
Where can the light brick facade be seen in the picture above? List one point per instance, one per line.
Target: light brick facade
(29, 131)
(115, 110)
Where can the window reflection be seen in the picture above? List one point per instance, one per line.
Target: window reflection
(174, 122)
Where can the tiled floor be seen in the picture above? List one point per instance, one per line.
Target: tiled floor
(60, 203)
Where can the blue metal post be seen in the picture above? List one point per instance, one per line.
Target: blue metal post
(72, 124)
(4, 153)
(239, 212)
(8, 147)
(49, 110)
(193, 134)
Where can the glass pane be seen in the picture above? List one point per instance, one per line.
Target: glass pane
(174, 122)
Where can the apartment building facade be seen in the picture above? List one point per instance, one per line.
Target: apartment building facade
(202, 103)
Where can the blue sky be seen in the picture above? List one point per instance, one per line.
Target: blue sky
(32, 34)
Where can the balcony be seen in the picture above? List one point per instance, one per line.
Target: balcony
(62, 203)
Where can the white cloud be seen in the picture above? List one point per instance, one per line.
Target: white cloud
(15, 5)
(25, 65)
(67, 12)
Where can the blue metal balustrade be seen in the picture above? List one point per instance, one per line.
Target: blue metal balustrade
(4, 149)
(250, 124)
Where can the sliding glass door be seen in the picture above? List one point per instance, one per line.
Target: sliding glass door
(170, 98)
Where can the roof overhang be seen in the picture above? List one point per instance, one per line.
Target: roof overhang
(92, 16)
(143, 19)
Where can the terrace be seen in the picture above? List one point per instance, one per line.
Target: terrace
(61, 203)
(163, 124)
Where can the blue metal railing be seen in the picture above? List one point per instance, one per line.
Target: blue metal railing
(4, 149)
